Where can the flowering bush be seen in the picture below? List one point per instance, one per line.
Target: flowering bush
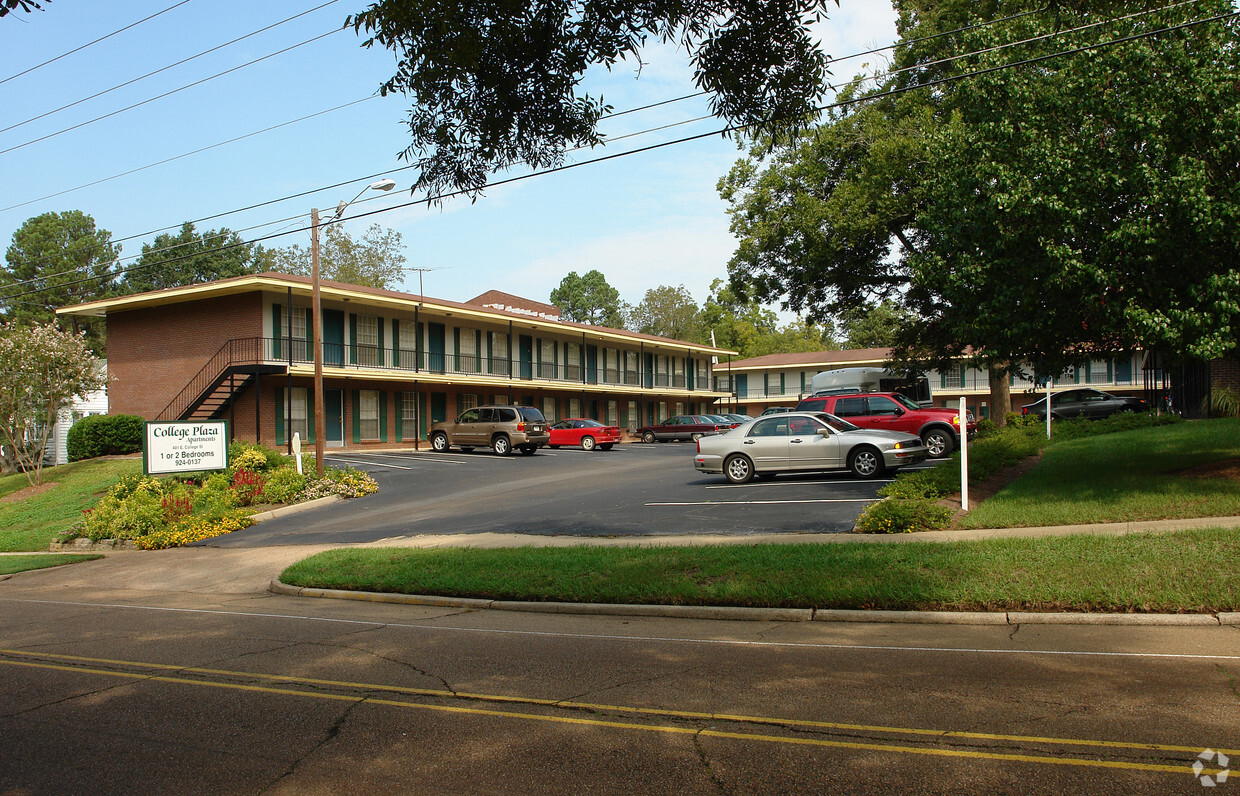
(248, 487)
(283, 486)
(900, 515)
(193, 529)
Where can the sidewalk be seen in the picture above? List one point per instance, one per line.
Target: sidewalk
(131, 574)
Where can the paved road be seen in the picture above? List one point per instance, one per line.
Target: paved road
(116, 686)
(629, 490)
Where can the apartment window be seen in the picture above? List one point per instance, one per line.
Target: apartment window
(466, 400)
(1098, 371)
(298, 316)
(468, 351)
(572, 362)
(633, 419)
(408, 343)
(368, 413)
(298, 419)
(368, 342)
(611, 366)
(499, 353)
(680, 408)
(409, 415)
(952, 379)
(546, 361)
(574, 407)
(662, 410)
(548, 409)
(613, 413)
(631, 372)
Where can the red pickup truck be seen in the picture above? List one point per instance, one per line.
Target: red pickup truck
(938, 427)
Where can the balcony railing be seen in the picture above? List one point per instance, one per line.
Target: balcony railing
(346, 355)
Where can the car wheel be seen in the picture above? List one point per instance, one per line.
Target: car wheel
(938, 442)
(501, 445)
(606, 446)
(587, 443)
(439, 442)
(738, 469)
(528, 450)
(865, 462)
(648, 437)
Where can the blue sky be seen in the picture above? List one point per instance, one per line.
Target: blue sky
(645, 220)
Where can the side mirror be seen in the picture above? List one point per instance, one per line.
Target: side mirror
(824, 432)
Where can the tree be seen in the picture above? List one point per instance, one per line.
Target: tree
(42, 368)
(667, 312)
(375, 261)
(189, 258)
(495, 84)
(9, 6)
(57, 259)
(873, 325)
(589, 299)
(1030, 216)
(752, 330)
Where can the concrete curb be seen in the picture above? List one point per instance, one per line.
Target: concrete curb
(296, 508)
(769, 614)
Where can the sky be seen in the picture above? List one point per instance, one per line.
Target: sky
(185, 144)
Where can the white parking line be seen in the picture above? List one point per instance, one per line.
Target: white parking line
(366, 461)
(763, 502)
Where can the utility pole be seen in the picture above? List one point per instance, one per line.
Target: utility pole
(320, 423)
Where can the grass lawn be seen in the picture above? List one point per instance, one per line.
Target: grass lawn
(1190, 571)
(11, 564)
(1133, 475)
(32, 523)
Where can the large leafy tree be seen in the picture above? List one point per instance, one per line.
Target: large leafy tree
(589, 299)
(376, 260)
(1034, 214)
(498, 82)
(190, 257)
(745, 326)
(667, 312)
(57, 259)
(42, 368)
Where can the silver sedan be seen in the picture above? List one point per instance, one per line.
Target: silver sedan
(805, 441)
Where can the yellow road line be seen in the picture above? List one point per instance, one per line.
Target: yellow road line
(817, 742)
(662, 712)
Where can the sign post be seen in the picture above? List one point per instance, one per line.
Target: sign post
(964, 455)
(192, 447)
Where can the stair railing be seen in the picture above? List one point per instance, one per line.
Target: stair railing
(237, 351)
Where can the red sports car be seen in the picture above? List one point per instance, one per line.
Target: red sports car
(589, 434)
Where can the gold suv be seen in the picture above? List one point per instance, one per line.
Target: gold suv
(500, 428)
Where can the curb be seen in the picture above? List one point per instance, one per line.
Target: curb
(769, 614)
(296, 508)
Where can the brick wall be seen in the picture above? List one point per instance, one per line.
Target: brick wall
(154, 352)
(1225, 373)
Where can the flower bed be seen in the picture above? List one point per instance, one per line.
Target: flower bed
(155, 513)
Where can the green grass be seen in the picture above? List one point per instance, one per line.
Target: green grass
(11, 564)
(1124, 477)
(1188, 571)
(31, 524)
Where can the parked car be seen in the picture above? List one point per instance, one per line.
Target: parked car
(1085, 402)
(735, 418)
(937, 426)
(776, 410)
(682, 427)
(798, 441)
(589, 434)
(501, 428)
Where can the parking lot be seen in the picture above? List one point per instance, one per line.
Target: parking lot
(631, 490)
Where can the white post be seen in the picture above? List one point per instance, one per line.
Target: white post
(1048, 407)
(297, 450)
(964, 455)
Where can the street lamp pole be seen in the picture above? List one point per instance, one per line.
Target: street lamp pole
(320, 422)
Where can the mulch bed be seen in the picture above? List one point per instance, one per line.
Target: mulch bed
(29, 491)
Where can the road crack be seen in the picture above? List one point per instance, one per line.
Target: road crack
(332, 733)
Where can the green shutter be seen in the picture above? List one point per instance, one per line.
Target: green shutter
(478, 350)
(309, 336)
(963, 374)
(379, 340)
(352, 340)
(396, 343)
(490, 352)
(783, 385)
(400, 416)
(383, 426)
(357, 417)
(456, 348)
(276, 336)
(421, 415)
(280, 416)
(1110, 372)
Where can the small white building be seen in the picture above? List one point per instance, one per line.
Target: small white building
(95, 403)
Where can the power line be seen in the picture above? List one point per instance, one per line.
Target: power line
(170, 93)
(89, 43)
(165, 68)
(676, 142)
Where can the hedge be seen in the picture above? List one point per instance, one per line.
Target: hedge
(104, 435)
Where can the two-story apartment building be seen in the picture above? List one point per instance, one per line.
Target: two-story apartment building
(783, 379)
(393, 363)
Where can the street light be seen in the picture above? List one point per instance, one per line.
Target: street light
(320, 422)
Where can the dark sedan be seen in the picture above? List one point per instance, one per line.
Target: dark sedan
(1085, 402)
(683, 427)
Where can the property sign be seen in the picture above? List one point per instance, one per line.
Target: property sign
(185, 447)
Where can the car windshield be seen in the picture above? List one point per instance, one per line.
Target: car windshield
(837, 423)
(906, 402)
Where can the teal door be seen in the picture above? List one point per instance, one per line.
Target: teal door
(333, 338)
(333, 414)
(592, 365)
(435, 347)
(525, 350)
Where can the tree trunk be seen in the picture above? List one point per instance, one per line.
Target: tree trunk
(1000, 393)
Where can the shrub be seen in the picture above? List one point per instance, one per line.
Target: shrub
(193, 529)
(1224, 402)
(248, 487)
(283, 486)
(136, 514)
(104, 435)
(244, 455)
(902, 515)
